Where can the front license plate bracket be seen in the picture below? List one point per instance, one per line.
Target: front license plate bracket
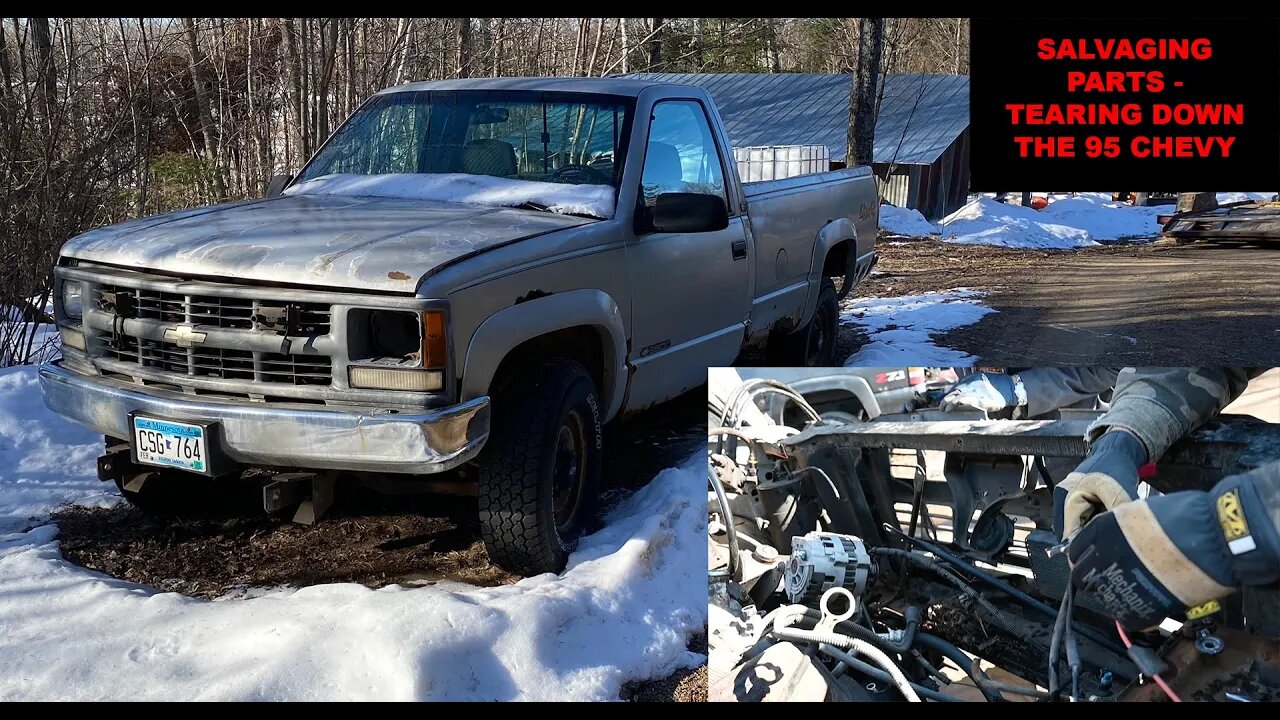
(215, 462)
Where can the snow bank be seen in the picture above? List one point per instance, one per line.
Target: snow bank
(900, 328)
(1103, 219)
(623, 610)
(905, 221)
(986, 222)
(593, 200)
(44, 460)
(1067, 222)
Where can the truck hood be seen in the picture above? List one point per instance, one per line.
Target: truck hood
(354, 243)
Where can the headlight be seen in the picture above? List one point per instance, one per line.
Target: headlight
(394, 334)
(73, 299)
(401, 350)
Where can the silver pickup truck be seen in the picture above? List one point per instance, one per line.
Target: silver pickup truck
(475, 273)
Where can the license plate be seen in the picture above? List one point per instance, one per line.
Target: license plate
(170, 444)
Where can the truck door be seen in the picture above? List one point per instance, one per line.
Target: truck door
(690, 291)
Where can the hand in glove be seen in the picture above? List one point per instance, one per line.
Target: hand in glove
(1154, 558)
(1105, 480)
(991, 392)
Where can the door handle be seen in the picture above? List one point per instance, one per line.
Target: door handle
(739, 248)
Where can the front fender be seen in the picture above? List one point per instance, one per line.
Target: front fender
(504, 330)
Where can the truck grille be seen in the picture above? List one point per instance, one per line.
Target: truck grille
(229, 322)
(222, 363)
(309, 318)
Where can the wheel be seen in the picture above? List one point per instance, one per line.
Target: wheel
(813, 345)
(539, 475)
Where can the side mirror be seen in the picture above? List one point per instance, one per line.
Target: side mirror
(276, 186)
(682, 212)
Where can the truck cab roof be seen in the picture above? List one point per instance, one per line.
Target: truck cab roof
(627, 87)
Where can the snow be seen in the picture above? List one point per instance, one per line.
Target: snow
(593, 200)
(44, 461)
(1069, 221)
(900, 328)
(633, 594)
(905, 221)
(1103, 219)
(1234, 197)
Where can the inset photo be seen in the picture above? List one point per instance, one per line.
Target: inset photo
(983, 534)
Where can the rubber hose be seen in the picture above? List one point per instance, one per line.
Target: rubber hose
(849, 627)
(941, 572)
(872, 671)
(957, 656)
(1009, 590)
(912, 618)
(731, 531)
(859, 646)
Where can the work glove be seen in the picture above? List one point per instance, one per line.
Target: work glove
(1155, 558)
(991, 392)
(1106, 479)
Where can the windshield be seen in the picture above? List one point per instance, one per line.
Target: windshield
(567, 138)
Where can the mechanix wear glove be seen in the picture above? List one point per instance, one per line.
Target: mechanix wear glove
(1154, 558)
(1105, 480)
(991, 392)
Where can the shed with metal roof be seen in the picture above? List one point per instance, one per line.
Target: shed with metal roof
(921, 155)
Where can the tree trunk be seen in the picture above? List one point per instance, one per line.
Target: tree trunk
(330, 48)
(595, 48)
(862, 94)
(626, 45)
(700, 43)
(46, 69)
(203, 114)
(655, 44)
(294, 119)
(1188, 202)
(464, 47)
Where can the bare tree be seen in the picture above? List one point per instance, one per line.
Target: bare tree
(655, 44)
(865, 90)
(464, 47)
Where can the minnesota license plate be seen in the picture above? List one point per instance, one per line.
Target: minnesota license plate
(170, 444)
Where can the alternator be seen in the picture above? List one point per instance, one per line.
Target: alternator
(822, 560)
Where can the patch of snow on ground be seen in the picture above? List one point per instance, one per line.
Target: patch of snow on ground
(905, 221)
(900, 329)
(44, 460)
(593, 200)
(623, 610)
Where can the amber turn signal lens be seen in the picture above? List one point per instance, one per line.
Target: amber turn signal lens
(433, 340)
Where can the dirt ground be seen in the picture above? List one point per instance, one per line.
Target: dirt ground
(682, 686)
(368, 538)
(1132, 304)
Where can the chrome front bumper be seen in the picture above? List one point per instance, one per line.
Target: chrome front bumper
(263, 434)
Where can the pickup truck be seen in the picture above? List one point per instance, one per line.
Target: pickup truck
(469, 273)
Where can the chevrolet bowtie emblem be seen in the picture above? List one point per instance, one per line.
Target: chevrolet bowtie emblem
(183, 336)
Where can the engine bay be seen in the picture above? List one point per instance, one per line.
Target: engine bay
(910, 555)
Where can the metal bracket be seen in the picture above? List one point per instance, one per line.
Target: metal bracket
(312, 493)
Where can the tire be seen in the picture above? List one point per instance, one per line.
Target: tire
(813, 345)
(538, 478)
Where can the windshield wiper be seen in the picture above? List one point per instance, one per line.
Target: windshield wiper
(531, 205)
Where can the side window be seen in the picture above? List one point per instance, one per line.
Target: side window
(682, 153)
